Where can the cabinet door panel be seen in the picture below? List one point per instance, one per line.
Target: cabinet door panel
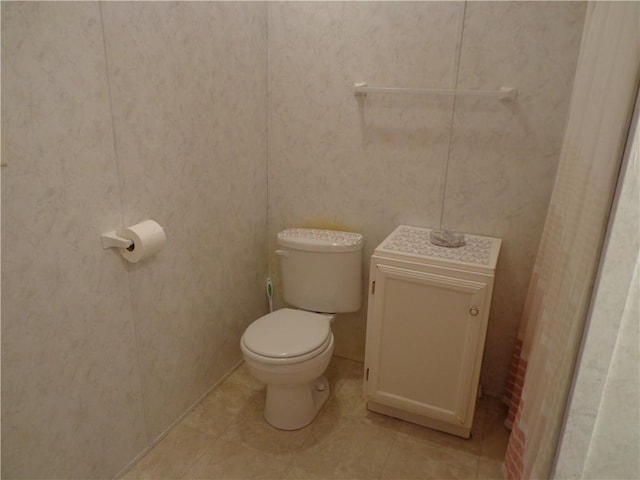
(426, 342)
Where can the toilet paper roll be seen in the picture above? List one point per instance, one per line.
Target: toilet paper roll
(148, 239)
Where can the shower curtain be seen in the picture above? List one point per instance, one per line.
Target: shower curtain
(604, 89)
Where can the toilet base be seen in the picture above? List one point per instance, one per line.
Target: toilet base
(293, 407)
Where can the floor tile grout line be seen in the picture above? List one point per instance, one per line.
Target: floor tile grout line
(286, 469)
(386, 458)
(197, 457)
(477, 467)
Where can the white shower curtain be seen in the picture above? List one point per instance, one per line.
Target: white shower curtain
(553, 320)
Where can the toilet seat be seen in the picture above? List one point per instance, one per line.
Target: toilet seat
(287, 336)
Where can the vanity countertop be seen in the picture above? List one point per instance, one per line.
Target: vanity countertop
(478, 253)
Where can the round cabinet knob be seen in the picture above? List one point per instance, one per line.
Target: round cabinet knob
(473, 311)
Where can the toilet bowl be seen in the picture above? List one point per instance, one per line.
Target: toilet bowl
(289, 350)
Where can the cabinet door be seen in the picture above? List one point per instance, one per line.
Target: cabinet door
(424, 347)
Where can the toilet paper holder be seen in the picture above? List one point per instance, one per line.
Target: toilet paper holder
(138, 242)
(113, 240)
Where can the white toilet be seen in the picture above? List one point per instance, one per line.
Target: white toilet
(290, 349)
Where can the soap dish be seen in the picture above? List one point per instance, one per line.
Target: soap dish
(447, 238)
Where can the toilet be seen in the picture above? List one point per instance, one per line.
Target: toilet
(290, 348)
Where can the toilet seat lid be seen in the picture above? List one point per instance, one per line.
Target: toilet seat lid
(287, 333)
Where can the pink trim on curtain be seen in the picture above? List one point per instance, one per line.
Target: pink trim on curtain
(514, 463)
(515, 382)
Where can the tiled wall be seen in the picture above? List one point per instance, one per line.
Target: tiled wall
(470, 164)
(113, 113)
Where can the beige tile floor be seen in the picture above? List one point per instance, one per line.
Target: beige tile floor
(226, 437)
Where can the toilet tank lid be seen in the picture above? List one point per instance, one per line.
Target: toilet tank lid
(318, 240)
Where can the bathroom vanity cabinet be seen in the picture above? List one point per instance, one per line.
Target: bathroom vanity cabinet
(426, 326)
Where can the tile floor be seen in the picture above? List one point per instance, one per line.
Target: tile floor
(225, 437)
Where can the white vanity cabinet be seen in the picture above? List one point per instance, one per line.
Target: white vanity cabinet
(426, 327)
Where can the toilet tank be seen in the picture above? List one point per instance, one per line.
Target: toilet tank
(321, 269)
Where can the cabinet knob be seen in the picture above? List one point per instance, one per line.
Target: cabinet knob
(473, 311)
